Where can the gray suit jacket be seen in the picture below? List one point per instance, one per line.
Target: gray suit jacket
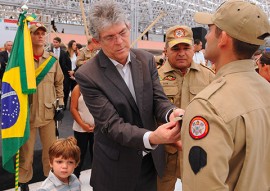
(120, 121)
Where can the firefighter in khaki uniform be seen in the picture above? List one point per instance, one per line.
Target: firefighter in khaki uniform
(226, 127)
(88, 52)
(182, 79)
(42, 106)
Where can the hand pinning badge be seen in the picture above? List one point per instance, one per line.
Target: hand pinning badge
(179, 118)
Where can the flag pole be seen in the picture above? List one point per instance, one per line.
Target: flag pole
(17, 160)
(17, 171)
(84, 20)
(162, 14)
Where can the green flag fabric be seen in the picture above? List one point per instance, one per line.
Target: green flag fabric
(18, 81)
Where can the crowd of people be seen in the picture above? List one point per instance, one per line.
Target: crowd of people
(198, 115)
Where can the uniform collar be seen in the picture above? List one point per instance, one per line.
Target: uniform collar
(236, 67)
(45, 54)
(168, 68)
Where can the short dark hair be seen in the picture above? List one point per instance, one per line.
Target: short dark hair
(197, 41)
(243, 50)
(79, 46)
(57, 39)
(65, 148)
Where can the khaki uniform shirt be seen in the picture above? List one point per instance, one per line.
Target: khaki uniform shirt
(181, 89)
(225, 133)
(42, 103)
(84, 55)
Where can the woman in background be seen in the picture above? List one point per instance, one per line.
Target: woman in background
(83, 126)
(72, 53)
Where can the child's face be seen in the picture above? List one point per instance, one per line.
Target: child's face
(63, 168)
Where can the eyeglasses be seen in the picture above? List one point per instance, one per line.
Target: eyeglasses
(112, 38)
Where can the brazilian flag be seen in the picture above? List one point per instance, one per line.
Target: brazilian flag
(18, 81)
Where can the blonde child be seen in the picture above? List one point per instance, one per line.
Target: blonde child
(64, 157)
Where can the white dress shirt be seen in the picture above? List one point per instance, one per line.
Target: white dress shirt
(56, 51)
(198, 58)
(125, 72)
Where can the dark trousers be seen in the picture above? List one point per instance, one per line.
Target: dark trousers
(148, 177)
(73, 83)
(66, 85)
(84, 140)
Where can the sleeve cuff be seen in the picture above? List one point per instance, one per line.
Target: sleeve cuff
(167, 117)
(146, 142)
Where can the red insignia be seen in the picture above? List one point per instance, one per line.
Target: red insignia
(170, 78)
(178, 33)
(38, 25)
(198, 128)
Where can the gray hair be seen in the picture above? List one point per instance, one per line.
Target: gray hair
(8, 42)
(103, 14)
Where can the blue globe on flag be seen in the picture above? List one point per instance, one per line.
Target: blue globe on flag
(10, 106)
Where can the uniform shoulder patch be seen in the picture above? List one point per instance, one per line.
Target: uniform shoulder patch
(169, 78)
(198, 127)
(197, 158)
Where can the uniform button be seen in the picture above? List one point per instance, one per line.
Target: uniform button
(219, 80)
(139, 153)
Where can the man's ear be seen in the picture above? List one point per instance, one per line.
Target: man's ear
(224, 39)
(165, 51)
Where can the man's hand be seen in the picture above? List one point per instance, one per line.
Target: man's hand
(177, 145)
(166, 133)
(176, 113)
(169, 133)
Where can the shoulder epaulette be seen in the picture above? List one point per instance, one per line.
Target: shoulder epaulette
(160, 72)
(211, 89)
(208, 68)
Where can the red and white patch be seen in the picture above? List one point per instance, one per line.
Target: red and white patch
(38, 25)
(178, 33)
(198, 128)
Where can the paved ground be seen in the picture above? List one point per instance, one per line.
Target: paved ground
(84, 178)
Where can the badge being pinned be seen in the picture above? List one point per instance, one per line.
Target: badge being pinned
(198, 128)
